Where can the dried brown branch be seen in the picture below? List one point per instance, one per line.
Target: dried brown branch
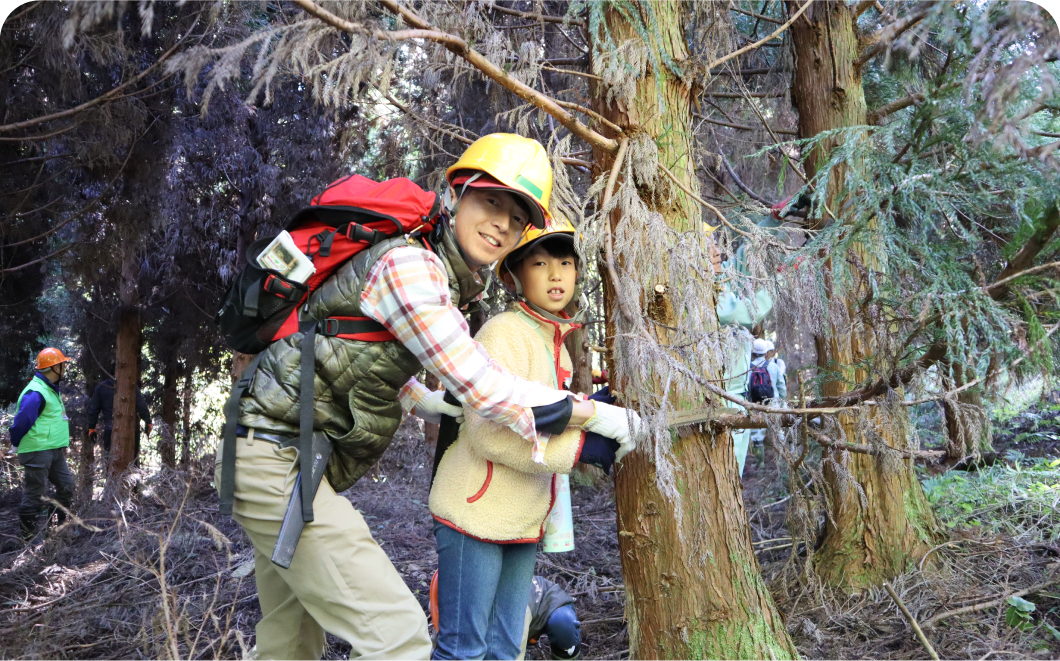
(408, 111)
(459, 47)
(877, 115)
(762, 17)
(755, 95)
(740, 127)
(863, 7)
(1020, 262)
(885, 36)
(935, 619)
(539, 17)
(740, 184)
(912, 621)
(609, 249)
(750, 72)
(591, 113)
(40, 259)
(750, 47)
(874, 451)
(108, 96)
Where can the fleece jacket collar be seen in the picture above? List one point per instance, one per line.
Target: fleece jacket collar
(559, 332)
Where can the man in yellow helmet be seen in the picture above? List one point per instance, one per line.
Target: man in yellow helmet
(41, 434)
(418, 290)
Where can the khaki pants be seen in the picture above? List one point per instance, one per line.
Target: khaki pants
(340, 581)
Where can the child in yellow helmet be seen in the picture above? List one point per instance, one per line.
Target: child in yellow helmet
(493, 491)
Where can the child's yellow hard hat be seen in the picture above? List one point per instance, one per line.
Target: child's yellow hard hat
(555, 225)
(520, 164)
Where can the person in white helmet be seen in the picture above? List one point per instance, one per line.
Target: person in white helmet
(766, 384)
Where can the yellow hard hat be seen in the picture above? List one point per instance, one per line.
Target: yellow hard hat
(49, 358)
(531, 236)
(520, 164)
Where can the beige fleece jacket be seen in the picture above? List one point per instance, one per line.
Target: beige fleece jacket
(487, 485)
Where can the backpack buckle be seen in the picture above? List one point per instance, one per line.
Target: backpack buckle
(277, 286)
(330, 327)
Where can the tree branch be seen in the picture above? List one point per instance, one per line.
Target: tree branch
(459, 47)
(609, 250)
(877, 115)
(763, 17)
(1020, 262)
(591, 113)
(974, 608)
(912, 622)
(740, 127)
(863, 7)
(741, 185)
(104, 97)
(758, 43)
(539, 17)
(886, 35)
(874, 451)
(40, 259)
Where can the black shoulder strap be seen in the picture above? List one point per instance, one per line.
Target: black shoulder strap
(305, 426)
(227, 488)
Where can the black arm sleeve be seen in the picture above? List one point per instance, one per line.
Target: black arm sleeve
(141, 408)
(553, 418)
(94, 408)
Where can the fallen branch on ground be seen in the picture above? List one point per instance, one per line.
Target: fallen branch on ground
(912, 622)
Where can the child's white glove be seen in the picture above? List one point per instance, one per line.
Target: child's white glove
(432, 407)
(615, 422)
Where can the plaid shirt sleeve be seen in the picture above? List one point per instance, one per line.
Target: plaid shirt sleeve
(407, 291)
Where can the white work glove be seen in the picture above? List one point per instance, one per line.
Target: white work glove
(614, 422)
(432, 407)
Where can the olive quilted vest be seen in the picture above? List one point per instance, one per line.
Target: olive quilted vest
(356, 383)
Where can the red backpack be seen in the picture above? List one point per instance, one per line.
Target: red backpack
(262, 306)
(351, 214)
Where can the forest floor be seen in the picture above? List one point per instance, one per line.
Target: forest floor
(164, 575)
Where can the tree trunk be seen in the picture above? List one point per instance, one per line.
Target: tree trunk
(694, 589)
(85, 472)
(186, 396)
(167, 434)
(880, 523)
(127, 367)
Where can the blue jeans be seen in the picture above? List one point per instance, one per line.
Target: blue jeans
(483, 590)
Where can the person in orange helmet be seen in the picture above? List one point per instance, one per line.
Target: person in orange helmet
(41, 433)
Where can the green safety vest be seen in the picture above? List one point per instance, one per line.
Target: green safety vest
(52, 429)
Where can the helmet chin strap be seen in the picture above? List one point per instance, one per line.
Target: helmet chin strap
(453, 205)
(583, 302)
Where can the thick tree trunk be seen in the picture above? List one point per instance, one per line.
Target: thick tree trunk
(694, 589)
(186, 396)
(167, 434)
(880, 523)
(127, 367)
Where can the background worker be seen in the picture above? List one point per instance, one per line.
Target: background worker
(102, 403)
(766, 384)
(41, 433)
(738, 316)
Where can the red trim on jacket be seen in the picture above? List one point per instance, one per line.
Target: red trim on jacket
(485, 485)
(450, 524)
(557, 340)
